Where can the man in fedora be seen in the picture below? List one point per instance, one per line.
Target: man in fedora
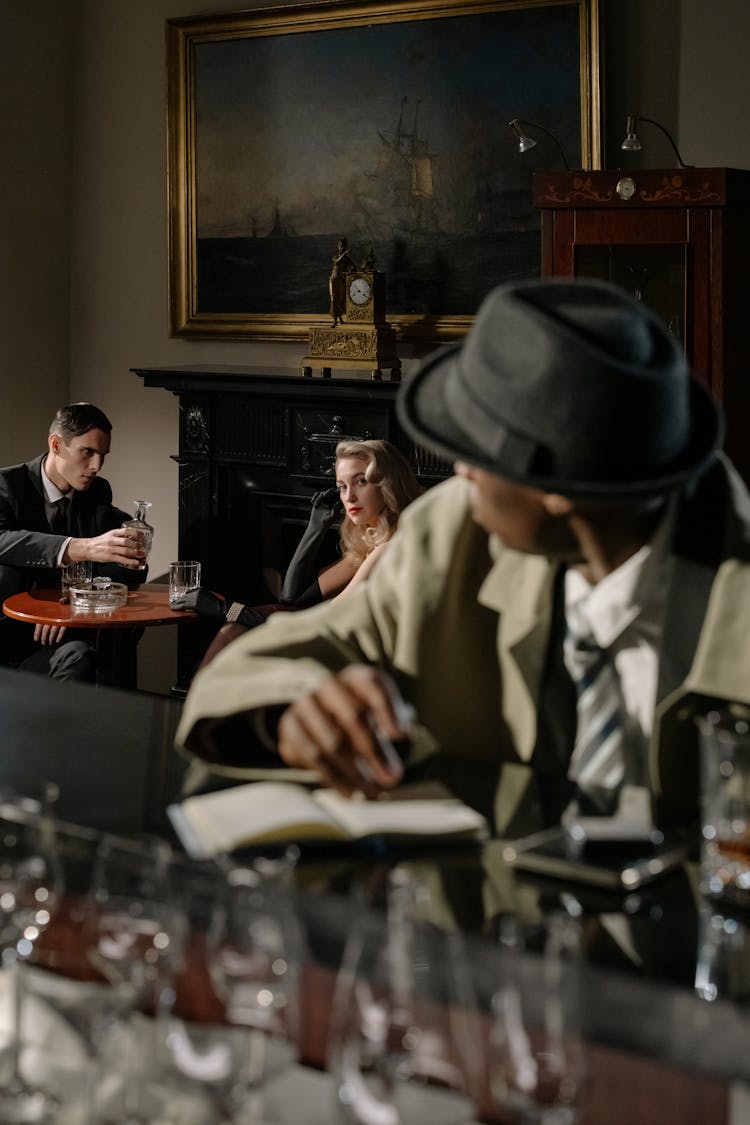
(594, 542)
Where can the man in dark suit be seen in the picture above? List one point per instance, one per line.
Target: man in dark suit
(56, 510)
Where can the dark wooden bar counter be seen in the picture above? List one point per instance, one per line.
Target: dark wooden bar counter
(659, 1055)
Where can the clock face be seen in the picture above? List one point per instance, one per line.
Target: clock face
(625, 188)
(360, 291)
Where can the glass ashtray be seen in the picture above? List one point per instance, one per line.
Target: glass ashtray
(101, 596)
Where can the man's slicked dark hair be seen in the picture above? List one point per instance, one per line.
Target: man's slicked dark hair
(78, 418)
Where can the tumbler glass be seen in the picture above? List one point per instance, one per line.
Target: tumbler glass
(725, 806)
(76, 574)
(184, 576)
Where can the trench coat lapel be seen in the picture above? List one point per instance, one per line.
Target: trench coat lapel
(520, 589)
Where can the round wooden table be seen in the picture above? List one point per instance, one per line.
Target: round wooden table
(117, 630)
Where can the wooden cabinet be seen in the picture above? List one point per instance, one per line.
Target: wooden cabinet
(679, 239)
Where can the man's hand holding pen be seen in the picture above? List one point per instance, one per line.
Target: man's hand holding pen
(345, 730)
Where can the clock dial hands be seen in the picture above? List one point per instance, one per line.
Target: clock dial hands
(360, 291)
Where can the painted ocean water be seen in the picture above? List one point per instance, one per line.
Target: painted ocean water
(436, 276)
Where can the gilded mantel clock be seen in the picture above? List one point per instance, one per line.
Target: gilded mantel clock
(359, 337)
(677, 239)
(365, 297)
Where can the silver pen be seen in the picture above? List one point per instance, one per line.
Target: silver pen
(406, 716)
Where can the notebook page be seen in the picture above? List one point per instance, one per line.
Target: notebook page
(401, 817)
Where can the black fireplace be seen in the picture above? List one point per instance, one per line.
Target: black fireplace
(254, 446)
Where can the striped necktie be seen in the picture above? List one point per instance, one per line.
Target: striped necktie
(597, 764)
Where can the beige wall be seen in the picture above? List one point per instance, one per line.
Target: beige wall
(82, 105)
(119, 314)
(684, 63)
(715, 83)
(35, 163)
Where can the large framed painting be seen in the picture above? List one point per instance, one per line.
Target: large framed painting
(383, 123)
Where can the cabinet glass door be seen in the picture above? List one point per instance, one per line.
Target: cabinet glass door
(654, 274)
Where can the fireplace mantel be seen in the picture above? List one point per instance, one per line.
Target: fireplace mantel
(254, 445)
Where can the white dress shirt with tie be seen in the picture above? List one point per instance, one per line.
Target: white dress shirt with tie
(625, 614)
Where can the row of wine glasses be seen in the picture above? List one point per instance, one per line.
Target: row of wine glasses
(142, 937)
(131, 933)
(118, 938)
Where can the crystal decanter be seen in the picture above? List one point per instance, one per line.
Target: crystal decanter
(144, 529)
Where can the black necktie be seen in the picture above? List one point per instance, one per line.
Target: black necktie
(60, 518)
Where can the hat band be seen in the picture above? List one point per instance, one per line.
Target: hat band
(513, 451)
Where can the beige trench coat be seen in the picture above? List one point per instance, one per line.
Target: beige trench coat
(463, 624)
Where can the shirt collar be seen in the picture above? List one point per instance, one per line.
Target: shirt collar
(636, 590)
(51, 492)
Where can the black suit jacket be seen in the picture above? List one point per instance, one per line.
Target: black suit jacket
(29, 550)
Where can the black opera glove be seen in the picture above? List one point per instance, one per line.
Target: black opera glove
(302, 571)
(326, 509)
(205, 602)
(211, 605)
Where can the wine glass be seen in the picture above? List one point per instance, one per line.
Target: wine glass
(201, 1057)
(404, 1043)
(30, 890)
(253, 950)
(537, 1058)
(134, 932)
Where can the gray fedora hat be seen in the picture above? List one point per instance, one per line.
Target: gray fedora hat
(569, 386)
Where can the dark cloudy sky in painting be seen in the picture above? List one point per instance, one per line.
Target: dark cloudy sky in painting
(300, 121)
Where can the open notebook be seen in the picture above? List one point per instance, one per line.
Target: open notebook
(264, 812)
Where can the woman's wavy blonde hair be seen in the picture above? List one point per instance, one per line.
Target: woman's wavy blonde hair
(388, 468)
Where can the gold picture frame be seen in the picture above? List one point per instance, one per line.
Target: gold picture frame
(382, 122)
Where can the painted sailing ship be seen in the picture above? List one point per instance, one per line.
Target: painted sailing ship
(398, 197)
(280, 228)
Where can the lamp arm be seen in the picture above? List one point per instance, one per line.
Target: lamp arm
(533, 125)
(668, 135)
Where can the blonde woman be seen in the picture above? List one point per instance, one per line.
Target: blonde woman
(374, 483)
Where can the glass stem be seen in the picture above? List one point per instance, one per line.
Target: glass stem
(253, 1108)
(20, 1102)
(16, 1041)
